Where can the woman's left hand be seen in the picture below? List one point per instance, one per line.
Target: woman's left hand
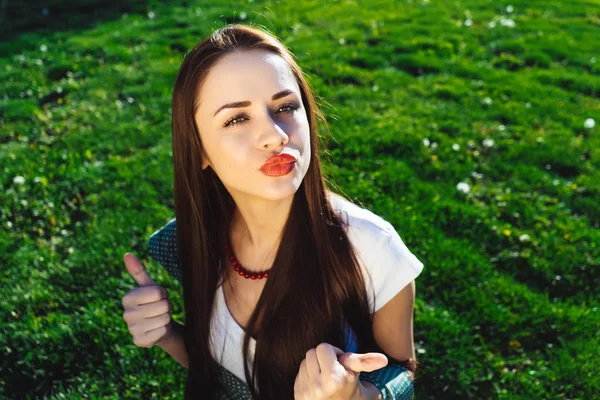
(328, 373)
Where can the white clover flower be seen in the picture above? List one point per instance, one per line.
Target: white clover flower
(528, 105)
(487, 101)
(501, 127)
(9, 224)
(19, 180)
(421, 350)
(463, 187)
(492, 24)
(488, 142)
(556, 182)
(43, 48)
(509, 9)
(476, 175)
(507, 22)
(374, 88)
(524, 237)
(589, 123)
(434, 145)
(426, 142)
(468, 22)
(243, 15)
(151, 15)
(455, 147)
(342, 41)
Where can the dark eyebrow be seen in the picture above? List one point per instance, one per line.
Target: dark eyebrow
(240, 104)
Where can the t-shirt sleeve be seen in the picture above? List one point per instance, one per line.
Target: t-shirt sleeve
(163, 248)
(392, 266)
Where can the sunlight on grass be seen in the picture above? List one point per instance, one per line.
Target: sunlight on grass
(471, 126)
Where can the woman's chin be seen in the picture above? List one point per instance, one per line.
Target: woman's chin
(279, 191)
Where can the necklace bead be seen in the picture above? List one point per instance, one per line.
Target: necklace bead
(237, 266)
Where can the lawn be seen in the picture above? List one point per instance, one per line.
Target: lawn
(471, 126)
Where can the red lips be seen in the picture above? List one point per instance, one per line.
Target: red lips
(278, 159)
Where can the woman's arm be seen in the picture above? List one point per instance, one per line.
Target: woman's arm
(175, 345)
(393, 326)
(393, 331)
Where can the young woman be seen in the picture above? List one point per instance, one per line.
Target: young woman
(291, 288)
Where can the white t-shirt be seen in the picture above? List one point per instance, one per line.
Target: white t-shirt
(380, 251)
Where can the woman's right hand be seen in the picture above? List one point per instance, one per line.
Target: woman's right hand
(147, 309)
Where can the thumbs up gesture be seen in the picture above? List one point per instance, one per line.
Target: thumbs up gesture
(328, 373)
(147, 309)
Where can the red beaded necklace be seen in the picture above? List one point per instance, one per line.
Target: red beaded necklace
(236, 265)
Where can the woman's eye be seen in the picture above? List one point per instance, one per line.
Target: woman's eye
(289, 108)
(233, 120)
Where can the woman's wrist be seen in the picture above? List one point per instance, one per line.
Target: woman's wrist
(174, 344)
(368, 391)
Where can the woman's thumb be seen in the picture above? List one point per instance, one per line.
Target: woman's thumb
(137, 270)
(363, 362)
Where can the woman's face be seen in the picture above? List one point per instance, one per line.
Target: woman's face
(238, 139)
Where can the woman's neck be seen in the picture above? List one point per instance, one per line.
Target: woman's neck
(258, 226)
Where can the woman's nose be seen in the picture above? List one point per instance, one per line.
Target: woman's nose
(273, 133)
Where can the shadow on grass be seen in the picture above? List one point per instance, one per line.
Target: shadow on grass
(42, 17)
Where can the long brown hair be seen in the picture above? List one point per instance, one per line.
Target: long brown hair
(315, 285)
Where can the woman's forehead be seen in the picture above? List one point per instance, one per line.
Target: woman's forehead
(244, 76)
(255, 59)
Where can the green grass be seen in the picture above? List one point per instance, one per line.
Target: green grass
(86, 124)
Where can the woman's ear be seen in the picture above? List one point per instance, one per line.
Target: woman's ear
(205, 161)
